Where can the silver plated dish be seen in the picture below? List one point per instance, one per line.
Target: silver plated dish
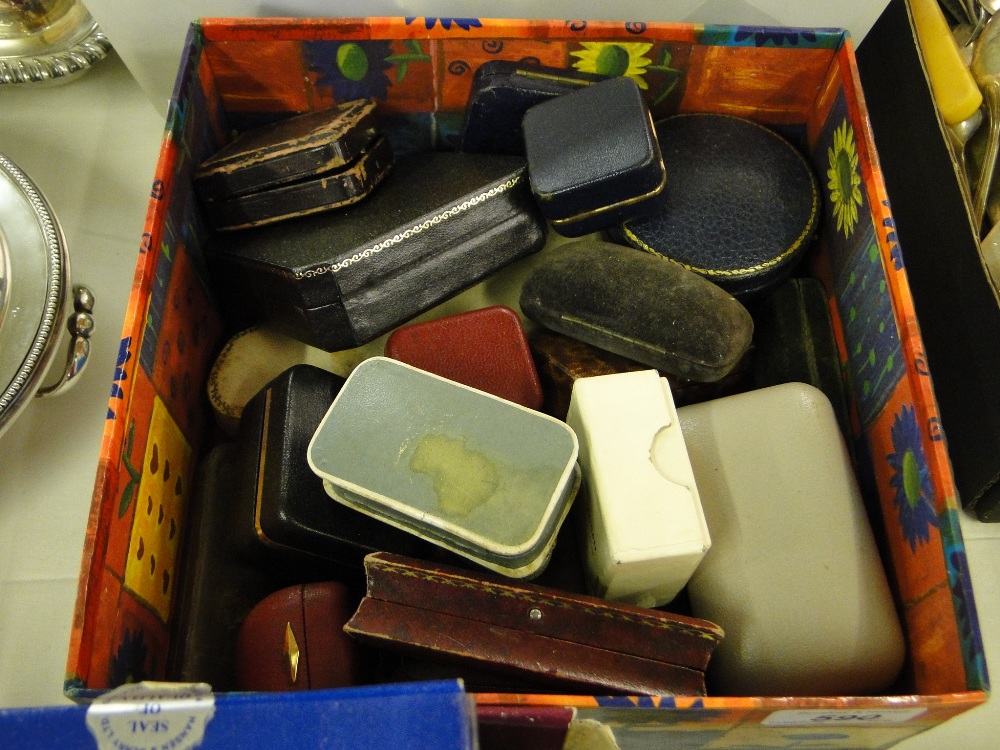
(47, 41)
(38, 305)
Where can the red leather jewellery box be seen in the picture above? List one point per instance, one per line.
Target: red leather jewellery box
(293, 639)
(485, 349)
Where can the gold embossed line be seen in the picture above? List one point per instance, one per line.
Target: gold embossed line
(736, 272)
(412, 231)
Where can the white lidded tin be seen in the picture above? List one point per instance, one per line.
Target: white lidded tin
(37, 302)
(481, 476)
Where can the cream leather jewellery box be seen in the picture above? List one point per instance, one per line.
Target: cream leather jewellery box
(644, 532)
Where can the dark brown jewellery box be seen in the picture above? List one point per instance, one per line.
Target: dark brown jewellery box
(284, 517)
(438, 224)
(312, 162)
(593, 157)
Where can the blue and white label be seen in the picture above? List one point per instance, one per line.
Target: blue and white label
(842, 717)
(152, 716)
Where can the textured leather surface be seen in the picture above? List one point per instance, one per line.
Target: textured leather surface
(334, 189)
(502, 91)
(639, 306)
(485, 349)
(578, 641)
(795, 342)
(287, 150)
(741, 205)
(562, 360)
(286, 519)
(436, 225)
(593, 157)
(316, 614)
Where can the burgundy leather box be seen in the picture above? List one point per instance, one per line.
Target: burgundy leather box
(570, 641)
(294, 640)
(485, 349)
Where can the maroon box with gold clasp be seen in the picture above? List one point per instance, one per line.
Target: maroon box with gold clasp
(292, 640)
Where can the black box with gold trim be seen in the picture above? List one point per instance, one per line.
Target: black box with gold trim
(438, 224)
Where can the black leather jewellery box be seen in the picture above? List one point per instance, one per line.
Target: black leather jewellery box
(283, 518)
(311, 162)
(438, 224)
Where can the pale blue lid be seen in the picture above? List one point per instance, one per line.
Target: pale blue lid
(484, 476)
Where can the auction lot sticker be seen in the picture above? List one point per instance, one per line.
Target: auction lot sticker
(839, 717)
(152, 716)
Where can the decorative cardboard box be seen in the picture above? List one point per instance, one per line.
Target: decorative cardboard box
(802, 82)
(954, 294)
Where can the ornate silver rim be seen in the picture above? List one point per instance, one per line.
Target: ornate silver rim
(29, 376)
(58, 64)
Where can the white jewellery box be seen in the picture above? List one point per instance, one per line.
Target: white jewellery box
(644, 532)
(486, 478)
(794, 576)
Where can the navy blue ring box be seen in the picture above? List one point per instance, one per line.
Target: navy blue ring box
(741, 208)
(593, 157)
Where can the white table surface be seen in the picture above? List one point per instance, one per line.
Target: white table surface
(91, 147)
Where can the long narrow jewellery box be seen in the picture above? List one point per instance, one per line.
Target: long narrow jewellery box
(486, 478)
(571, 642)
(439, 223)
(312, 162)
